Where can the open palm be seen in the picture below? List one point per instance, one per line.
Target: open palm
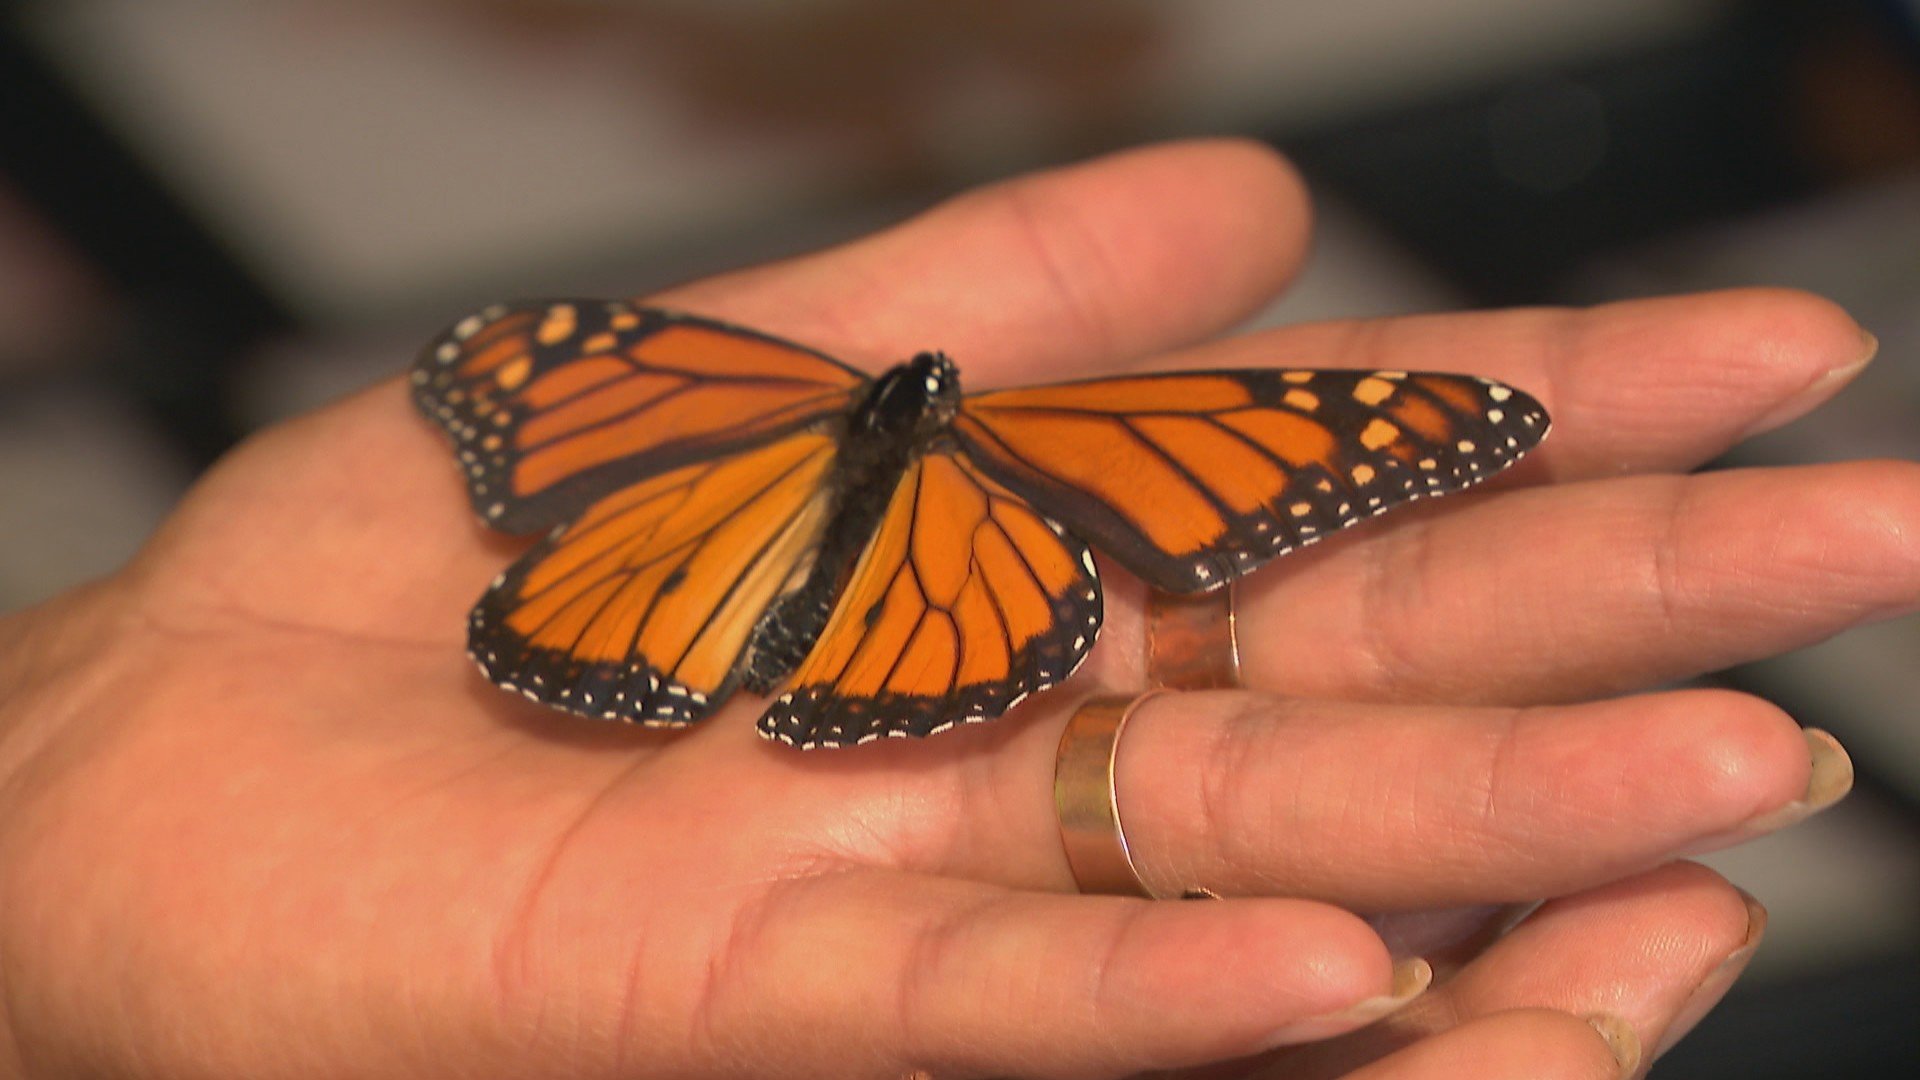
(259, 816)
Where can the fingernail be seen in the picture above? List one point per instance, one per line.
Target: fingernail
(1620, 1039)
(1411, 978)
(1819, 389)
(1830, 779)
(1719, 980)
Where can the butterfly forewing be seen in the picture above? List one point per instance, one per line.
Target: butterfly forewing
(1191, 479)
(966, 601)
(552, 405)
(640, 609)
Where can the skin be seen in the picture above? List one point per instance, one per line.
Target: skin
(259, 816)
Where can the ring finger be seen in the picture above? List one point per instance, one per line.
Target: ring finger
(1247, 794)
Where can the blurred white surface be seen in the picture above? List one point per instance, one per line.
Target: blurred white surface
(358, 153)
(363, 155)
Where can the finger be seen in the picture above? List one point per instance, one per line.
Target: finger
(1650, 950)
(1525, 1044)
(1636, 386)
(1081, 266)
(880, 974)
(1676, 576)
(1339, 802)
(1248, 794)
(1645, 949)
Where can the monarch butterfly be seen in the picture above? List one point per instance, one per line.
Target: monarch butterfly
(724, 509)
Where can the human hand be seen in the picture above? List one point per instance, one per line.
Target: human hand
(259, 816)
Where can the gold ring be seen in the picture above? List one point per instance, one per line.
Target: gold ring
(1192, 640)
(1085, 799)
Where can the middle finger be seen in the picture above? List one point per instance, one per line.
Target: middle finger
(1642, 385)
(1473, 602)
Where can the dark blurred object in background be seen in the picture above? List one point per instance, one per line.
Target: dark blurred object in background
(906, 93)
(1509, 188)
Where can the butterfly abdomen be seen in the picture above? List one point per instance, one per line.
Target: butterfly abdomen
(788, 630)
(905, 411)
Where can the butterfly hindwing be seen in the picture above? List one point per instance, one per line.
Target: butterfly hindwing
(1192, 479)
(640, 608)
(966, 600)
(554, 404)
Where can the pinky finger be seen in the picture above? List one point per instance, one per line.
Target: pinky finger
(870, 973)
(1535, 1044)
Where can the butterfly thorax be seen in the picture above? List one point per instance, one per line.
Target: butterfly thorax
(903, 413)
(908, 404)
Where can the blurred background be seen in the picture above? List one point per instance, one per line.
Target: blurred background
(215, 213)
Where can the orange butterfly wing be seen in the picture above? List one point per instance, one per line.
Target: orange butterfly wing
(966, 600)
(641, 608)
(552, 405)
(689, 470)
(1192, 479)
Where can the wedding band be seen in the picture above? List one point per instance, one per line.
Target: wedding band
(1087, 804)
(1192, 641)
(1191, 645)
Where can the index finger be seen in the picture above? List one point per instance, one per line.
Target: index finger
(1047, 275)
